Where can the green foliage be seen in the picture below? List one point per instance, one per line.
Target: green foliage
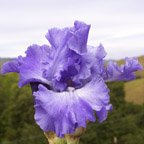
(17, 125)
(116, 93)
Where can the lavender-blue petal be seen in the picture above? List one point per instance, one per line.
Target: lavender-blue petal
(100, 52)
(78, 40)
(124, 72)
(63, 112)
(66, 45)
(83, 68)
(98, 67)
(11, 66)
(60, 112)
(91, 64)
(31, 69)
(58, 53)
(57, 37)
(96, 94)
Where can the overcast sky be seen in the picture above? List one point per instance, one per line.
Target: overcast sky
(117, 24)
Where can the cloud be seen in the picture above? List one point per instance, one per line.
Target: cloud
(117, 24)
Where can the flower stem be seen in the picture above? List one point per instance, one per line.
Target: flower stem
(72, 140)
(53, 139)
(68, 139)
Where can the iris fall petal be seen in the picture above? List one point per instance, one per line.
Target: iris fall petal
(63, 112)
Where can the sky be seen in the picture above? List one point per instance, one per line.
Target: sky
(117, 24)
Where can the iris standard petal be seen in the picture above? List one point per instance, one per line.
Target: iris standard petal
(124, 72)
(64, 43)
(63, 112)
(100, 52)
(89, 64)
(98, 67)
(83, 67)
(58, 54)
(58, 37)
(78, 40)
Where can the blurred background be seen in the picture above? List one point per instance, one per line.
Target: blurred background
(118, 25)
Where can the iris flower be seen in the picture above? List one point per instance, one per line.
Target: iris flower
(68, 79)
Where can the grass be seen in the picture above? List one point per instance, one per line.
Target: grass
(134, 91)
(141, 73)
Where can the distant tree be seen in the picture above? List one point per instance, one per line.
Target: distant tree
(17, 125)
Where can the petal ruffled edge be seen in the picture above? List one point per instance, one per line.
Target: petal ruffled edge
(96, 93)
(11, 66)
(63, 112)
(124, 72)
(79, 37)
(31, 68)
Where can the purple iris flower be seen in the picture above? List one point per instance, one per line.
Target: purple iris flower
(68, 79)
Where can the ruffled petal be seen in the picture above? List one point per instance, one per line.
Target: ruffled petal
(31, 69)
(11, 66)
(96, 94)
(59, 54)
(57, 37)
(78, 40)
(89, 65)
(63, 112)
(60, 112)
(67, 46)
(124, 72)
(100, 52)
(83, 67)
(98, 67)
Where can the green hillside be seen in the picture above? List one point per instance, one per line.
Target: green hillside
(141, 73)
(134, 91)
